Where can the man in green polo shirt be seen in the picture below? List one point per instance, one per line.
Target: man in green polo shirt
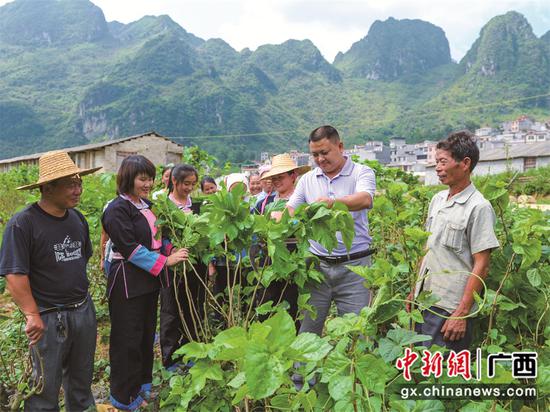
(461, 222)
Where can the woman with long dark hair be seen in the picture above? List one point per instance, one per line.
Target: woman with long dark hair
(136, 274)
(182, 303)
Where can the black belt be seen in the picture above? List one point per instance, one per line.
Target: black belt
(334, 260)
(62, 308)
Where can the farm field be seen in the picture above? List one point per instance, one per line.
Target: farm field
(247, 354)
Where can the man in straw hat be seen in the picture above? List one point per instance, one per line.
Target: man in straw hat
(283, 173)
(45, 250)
(337, 179)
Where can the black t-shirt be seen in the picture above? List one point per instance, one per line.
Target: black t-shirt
(52, 251)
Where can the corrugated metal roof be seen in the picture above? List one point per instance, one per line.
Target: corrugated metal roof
(513, 151)
(86, 147)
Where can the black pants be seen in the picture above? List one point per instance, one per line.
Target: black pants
(220, 284)
(432, 326)
(172, 329)
(133, 325)
(278, 292)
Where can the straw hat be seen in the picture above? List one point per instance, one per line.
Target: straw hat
(263, 169)
(283, 163)
(56, 165)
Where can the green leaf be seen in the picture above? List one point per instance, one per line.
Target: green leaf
(416, 315)
(203, 370)
(309, 347)
(195, 350)
(344, 405)
(343, 325)
(386, 311)
(264, 372)
(543, 380)
(241, 393)
(237, 381)
(534, 277)
(340, 387)
(429, 406)
(392, 345)
(230, 344)
(335, 365)
(283, 330)
(305, 400)
(373, 372)
(280, 402)
(265, 308)
(321, 213)
(531, 250)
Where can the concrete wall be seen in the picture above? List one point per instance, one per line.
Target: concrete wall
(498, 166)
(156, 149)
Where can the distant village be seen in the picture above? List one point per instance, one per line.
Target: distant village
(521, 144)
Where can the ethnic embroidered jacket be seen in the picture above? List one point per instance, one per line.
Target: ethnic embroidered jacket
(139, 260)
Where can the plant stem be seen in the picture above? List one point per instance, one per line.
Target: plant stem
(497, 293)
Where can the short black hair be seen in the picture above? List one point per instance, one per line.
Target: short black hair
(131, 167)
(461, 144)
(207, 179)
(324, 132)
(180, 173)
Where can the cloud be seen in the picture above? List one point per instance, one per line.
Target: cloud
(332, 26)
(461, 20)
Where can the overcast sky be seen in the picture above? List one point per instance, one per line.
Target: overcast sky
(332, 25)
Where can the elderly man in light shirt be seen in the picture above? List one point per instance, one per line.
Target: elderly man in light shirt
(337, 179)
(461, 225)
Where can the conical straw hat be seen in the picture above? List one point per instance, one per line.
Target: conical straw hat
(56, 165)
(283, 163)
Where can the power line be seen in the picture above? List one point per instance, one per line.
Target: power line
(371, 123)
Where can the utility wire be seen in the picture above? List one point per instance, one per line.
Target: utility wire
(371, 123)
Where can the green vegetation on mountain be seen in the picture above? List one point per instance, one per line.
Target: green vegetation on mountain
(394, 48)
(68, 77)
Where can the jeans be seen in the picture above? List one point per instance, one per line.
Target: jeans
(341, 285)
(67, 351)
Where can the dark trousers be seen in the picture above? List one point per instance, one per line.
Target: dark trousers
(133, 325)
(67, 351)
(432, 326)
(220, 284)
(172, 329)
(279, 291)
